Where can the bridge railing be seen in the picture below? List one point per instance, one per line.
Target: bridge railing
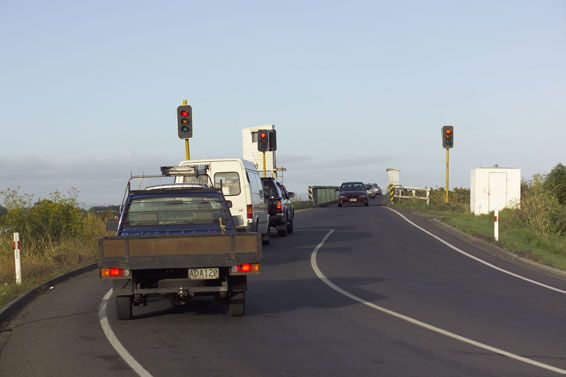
(404, 192)
(323, 195)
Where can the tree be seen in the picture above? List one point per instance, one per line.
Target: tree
(555, 183)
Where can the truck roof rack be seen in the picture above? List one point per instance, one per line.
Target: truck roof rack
(173, 171)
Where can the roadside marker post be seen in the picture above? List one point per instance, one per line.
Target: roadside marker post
(17, 258)
(496, 226)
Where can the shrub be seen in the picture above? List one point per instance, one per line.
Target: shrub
(47, 221)
(555, 183)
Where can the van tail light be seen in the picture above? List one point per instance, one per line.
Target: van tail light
(278, 205)
(250, 211)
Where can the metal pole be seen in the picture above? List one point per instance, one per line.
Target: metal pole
(188, 156)
(264, 173)
(496, 226)
(447, 172)
(17, 258)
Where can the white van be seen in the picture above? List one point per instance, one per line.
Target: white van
(241, 184)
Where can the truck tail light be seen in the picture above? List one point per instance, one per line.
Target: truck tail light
(250, 211)
(248, 267)
(113, 272)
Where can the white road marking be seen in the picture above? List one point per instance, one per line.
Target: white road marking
(124, 354)
(403, 317)
(476, 258)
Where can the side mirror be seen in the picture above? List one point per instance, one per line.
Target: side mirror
(229, 203)
(112, 225)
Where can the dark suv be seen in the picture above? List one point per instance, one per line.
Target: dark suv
(280, 207)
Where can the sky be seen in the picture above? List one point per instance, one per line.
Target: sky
(89, 90)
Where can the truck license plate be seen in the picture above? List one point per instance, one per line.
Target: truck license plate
(203, 273)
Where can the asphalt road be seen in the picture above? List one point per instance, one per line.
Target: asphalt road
(378, 298)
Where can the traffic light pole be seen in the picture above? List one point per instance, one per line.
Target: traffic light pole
(264, 173)
(447, 172)
(187, 149)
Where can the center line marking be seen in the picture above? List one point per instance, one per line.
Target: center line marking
(416, 322)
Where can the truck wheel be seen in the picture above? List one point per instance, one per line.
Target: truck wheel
(266, 237)
(123, 307)
(237, 304)
(282, 230)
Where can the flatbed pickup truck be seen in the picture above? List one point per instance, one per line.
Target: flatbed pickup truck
(179, 241)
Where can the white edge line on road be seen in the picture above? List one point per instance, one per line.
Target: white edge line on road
(416, 322)
(476, 258)
(124, 354)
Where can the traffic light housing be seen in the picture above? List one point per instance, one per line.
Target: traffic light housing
(447, 137)
(262, 140)
(272, 136)
(185, 121)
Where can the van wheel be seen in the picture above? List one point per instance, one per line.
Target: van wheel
(237, 304)
(123, 307)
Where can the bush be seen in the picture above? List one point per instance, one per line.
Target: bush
(540, 210)
(555, 183)
(47, 221)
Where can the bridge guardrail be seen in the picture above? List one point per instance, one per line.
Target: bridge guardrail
(403, 192)
(323, 195)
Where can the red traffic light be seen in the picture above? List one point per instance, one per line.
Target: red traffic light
(184, 113)
(448, 131)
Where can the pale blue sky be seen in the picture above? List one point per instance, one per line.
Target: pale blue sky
(88, 90)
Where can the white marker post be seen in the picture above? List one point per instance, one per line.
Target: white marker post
(17, 258)
(496, 226)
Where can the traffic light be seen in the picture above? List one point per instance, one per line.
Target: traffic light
(185, 121)
(272, 136)
(262, 141)
(447, 137)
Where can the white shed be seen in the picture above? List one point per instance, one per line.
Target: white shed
(250, 152)
(494, 189)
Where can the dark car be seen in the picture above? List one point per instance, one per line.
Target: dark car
(353, 193)
(280, 207)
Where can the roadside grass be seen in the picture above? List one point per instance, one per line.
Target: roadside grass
(38, 267)
(545, 248)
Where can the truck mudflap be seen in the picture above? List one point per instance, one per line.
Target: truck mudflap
(180, 251)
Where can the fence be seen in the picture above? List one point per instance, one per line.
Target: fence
(323, 195)
(401, 192)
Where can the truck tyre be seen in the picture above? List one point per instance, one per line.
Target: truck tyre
(124, 307)
(266, 237)
(237, 304)
(290, 227)
(282, 230)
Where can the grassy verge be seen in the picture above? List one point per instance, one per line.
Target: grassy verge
(36, 269)
(545, 248)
